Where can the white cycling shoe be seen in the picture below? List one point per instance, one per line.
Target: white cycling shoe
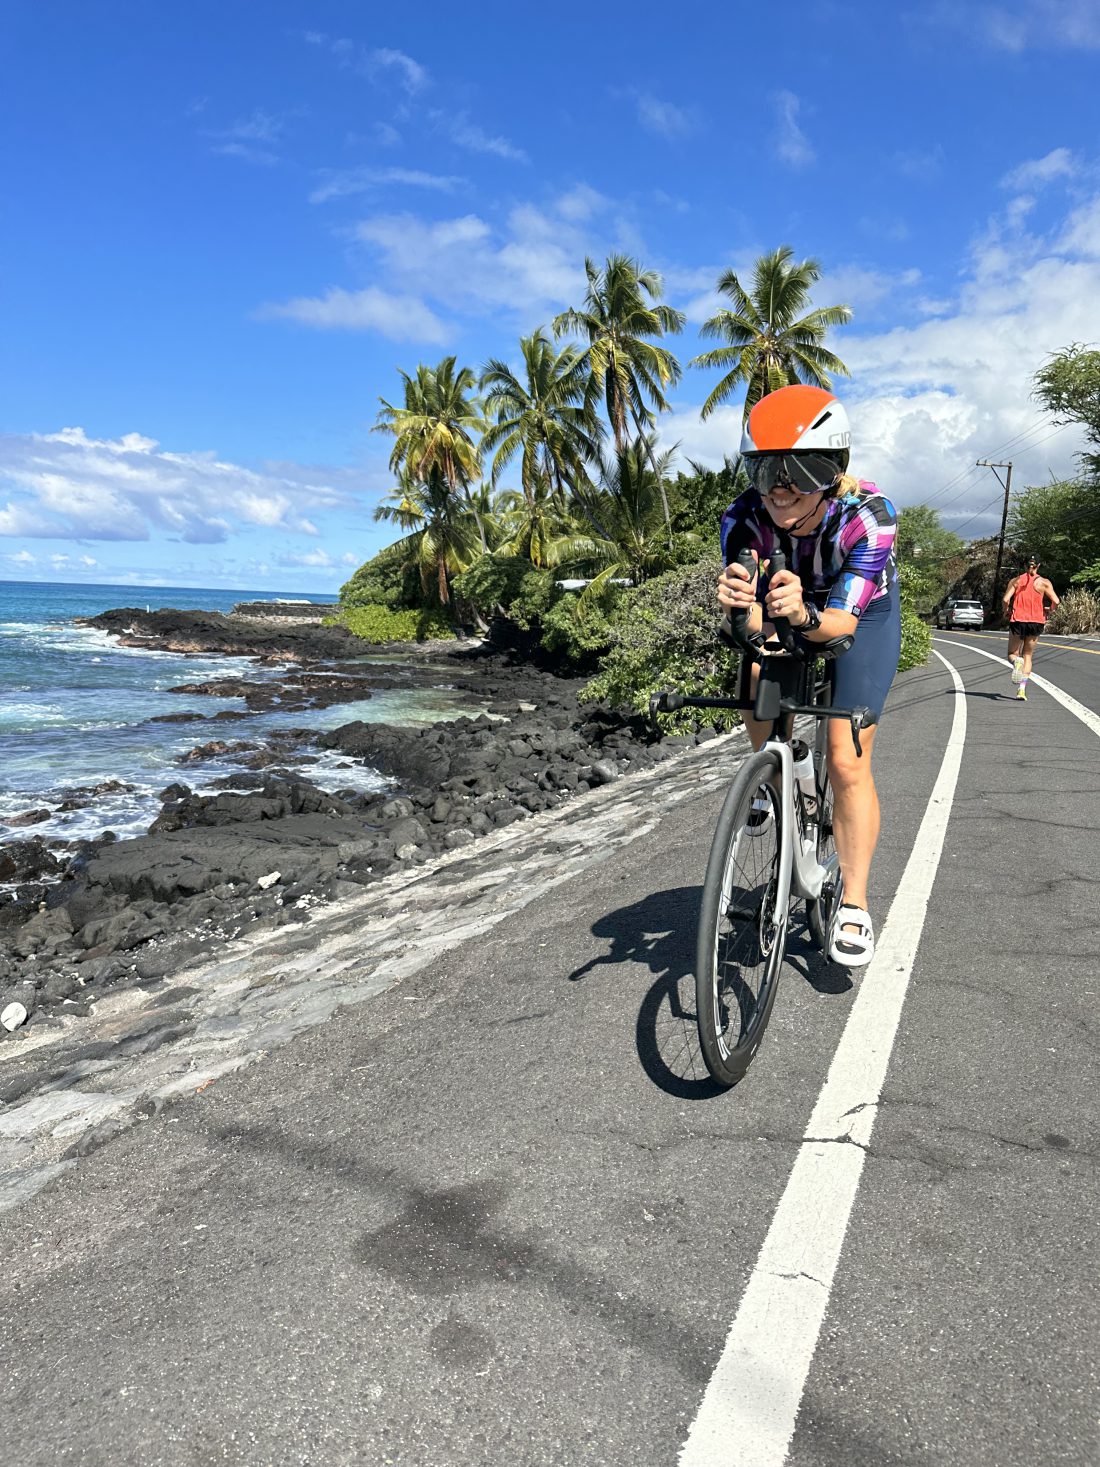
(760, 818)
(853, 949)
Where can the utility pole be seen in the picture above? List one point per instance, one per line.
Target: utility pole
(1006, 484)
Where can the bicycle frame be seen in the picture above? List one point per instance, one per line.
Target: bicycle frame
(797, 867)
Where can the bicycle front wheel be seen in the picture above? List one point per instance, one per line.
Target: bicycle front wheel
(742, 923)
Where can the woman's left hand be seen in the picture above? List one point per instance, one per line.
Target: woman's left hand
(784, 597)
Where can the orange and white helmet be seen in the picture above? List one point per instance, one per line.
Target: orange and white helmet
(796, 436)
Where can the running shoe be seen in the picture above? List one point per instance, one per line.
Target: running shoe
(1021, 694)
(1017, 670)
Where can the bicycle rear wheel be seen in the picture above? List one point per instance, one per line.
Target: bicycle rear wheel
(742, 924)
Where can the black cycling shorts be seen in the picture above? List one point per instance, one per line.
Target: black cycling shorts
(1026, 628)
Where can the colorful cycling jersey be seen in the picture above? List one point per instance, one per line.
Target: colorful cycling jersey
(845, 564)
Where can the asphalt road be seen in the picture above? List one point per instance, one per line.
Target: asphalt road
(497, 1215)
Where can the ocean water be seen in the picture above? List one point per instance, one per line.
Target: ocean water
(75, 710)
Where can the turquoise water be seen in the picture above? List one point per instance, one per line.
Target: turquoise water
(74, 708)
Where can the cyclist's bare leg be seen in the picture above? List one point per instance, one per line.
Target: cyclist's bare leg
(756, 731)
(855, 809)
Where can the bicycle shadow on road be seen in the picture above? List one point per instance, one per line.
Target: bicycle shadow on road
(659, 932)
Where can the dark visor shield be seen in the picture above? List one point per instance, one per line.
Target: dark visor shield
(805, 473)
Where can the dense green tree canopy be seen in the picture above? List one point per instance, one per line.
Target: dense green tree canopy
(1068, 386)
(932, 557)
(1060, 523)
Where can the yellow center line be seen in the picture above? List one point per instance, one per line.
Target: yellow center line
(1003, 636)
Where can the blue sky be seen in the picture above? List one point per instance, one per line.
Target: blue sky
(224, 227)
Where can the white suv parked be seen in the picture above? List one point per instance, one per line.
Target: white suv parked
(955, 613)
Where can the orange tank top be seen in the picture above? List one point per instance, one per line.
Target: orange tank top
(1027, 603)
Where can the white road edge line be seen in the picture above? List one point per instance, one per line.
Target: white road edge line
(1086, 715)
(750, 1406)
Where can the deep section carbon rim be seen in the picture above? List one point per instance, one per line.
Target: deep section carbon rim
(743, 924)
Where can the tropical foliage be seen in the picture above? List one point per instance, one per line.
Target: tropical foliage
(768, 342)
(1068, 386)
(1059, 522)
(532, 493)
(542, 415)
(622, 310)
(379, 624)
(436, 429)
(932, 557)
(440, 537)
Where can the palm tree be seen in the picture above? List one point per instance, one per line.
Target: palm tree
(534, 526)
(436, 428)
(621, 309)
(626, 538)
(545, 416)
(769, 344)
(440, 535)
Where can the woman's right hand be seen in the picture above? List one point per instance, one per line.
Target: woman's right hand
(737, 588)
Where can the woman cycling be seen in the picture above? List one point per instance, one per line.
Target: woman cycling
(837, 534)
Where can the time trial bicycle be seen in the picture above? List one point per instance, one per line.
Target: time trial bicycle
(773, 842)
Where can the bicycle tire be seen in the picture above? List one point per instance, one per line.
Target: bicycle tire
(821, 911)
(742, 926)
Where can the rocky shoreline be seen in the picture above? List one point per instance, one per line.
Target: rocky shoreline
(275, 847)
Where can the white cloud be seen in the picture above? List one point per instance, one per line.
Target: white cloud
(252, 139)
(862, 289)
(532, 264)
(1060, 163)
(320, 559)
(22, 557)
(400, 317)
(1042, 25)
(581, 203)
(921, 164)
(262, 157)
(467, 134)
(67, 485)
(343, 183)
(929, 399)
(414, 77)
(1027, 25)
(664, 118)
(791, 143)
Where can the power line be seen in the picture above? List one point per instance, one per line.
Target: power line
(1011, 442)
(966, 472)
(977, 514)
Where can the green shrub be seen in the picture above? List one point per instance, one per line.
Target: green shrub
(380, 624)
(388, 579)
(1078, 611)
(916, 636)
(509, 583)
(578, 629)
(665, 636)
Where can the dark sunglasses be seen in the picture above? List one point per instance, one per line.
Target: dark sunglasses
(805, 473)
